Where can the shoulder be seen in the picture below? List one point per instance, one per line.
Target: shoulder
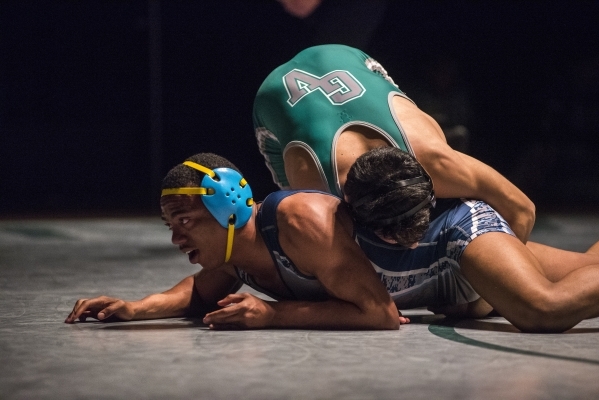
(303, 212)
(313, 220)
(316, 232)
(423, 132)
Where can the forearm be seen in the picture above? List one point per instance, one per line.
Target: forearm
(158, 306)
(174, 302)
(457, 175)
(509, 201)
(517, 209)
(332, 314)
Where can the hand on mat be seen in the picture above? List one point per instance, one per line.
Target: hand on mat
(240, 311)
(101, 308)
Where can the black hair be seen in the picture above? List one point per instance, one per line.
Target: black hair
(183, 176)
(381, 199)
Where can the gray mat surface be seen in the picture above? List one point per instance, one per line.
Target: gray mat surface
(46, 265)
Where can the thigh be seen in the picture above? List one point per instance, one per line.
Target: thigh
(505, 273)
(556, 263)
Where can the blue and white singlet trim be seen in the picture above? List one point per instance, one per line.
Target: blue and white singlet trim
(430, 274)
(426, 276)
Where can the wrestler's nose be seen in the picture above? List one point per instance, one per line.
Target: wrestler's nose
(177, 238)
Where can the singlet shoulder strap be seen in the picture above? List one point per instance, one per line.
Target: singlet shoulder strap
(267, 215)
(299, 285)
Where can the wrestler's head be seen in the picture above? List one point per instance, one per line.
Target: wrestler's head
(390, 194)
(203, 201)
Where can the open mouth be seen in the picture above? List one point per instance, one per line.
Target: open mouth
(192, 254)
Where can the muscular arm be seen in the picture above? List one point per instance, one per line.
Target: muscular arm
(318, 238)
(185, 298)
(457, 175)
(193, 293)
(174, 302)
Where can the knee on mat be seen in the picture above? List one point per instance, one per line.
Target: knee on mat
(543, 315)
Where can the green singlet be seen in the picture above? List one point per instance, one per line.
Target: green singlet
(310, 100)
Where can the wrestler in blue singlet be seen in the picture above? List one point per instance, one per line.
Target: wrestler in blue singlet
(426, 276)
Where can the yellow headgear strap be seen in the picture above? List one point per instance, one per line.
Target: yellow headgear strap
(200, 168)
(230, 234)
(187, 190)
(192, 190)
(204, 191)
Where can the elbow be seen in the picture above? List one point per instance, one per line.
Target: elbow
(529, 210)
(532, 211)
(521, 217)
(528, 217)
(379, 316)
(389, 319)
(394, 325)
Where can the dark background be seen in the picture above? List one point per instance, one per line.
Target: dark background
(98, 99)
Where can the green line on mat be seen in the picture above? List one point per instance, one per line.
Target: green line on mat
(448, 332)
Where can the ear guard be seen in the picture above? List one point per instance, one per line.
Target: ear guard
(227, 196)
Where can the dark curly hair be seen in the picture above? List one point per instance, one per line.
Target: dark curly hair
(183, 176)
(389, 193)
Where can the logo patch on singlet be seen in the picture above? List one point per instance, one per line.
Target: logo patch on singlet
(337, 86)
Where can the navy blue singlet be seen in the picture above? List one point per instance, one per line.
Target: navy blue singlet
(302, 287)
(428, 275)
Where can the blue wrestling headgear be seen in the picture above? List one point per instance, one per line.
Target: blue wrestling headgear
(227, 196)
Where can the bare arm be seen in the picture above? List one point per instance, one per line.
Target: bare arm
(325, 248)
(333, 314)
(188, 295)
(316, 237)
(456, 175)
(174, 302)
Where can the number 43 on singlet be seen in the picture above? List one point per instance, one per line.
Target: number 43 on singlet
(337, 86)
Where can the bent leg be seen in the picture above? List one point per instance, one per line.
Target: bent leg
(557, 263)
(511, 279)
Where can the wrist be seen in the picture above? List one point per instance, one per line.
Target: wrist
(135, 309)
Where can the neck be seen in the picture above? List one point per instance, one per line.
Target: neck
(249, 250)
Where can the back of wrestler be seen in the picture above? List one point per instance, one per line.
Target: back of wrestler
(316, 114)
(304, 105)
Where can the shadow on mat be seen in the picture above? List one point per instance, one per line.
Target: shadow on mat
(445, 329)
(150, 326)
(427, 319)
(483, 324)
(489, 326)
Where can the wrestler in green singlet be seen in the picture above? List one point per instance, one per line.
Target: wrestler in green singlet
(310, 100)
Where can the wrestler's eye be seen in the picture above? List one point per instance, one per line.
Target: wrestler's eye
(183, 221)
